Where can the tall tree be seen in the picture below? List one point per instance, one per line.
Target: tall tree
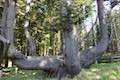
(31, 44)
(72, 60)
(7, 23)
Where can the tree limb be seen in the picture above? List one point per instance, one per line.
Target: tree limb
(90, 55)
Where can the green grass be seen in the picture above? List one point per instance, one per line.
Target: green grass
(109, 71)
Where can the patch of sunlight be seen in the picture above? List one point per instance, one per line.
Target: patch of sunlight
(47, 36)
(89, 73)
(34, 73)
(97, 77)
(28, 1)
(68, 2)
(94, 70)
(50, 59)
(114, 72)
(26, 23)
(27, 8)
(27, 34)
(74, 31)
(21, 72)
(112, 77)
(107, 73)
(43, 63)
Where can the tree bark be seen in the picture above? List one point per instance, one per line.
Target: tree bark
(8, 20)
(72, 61)
(43, 63)
(71, 46)
(4, 46)
(89, 56)
(31, 44)
(70, 40)
(70, 64)
(7, 25)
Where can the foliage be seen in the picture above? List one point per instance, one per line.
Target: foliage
(44, 19)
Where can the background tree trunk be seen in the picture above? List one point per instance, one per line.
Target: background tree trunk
(31, 44)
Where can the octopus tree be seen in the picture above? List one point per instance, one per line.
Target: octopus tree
(72, 60)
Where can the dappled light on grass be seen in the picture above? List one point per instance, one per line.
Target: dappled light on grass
(109, 71)
(112, 77)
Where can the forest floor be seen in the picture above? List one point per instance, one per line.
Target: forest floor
(103, 71)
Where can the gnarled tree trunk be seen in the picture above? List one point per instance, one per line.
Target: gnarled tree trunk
(72, 61)
(70, 64)
(70, 40)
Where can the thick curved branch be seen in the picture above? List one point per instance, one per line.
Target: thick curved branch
(90, 55)
(43, 63)
(50, 64)
(114, 3)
